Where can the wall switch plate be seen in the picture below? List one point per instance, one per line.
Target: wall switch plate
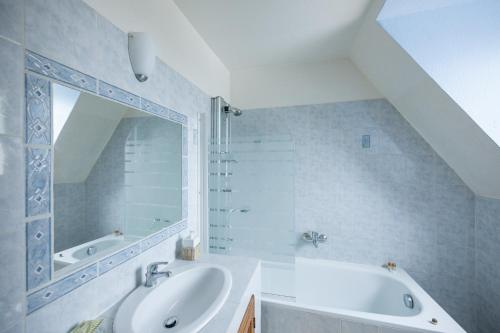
(365, 141)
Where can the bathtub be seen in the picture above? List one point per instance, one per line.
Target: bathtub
(338, 293)
(98, 248)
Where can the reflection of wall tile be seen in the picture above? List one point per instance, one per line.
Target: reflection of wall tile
(61, 288)
(38, 109)
(118, 94)
(119, 258)
(55, 70)
(39, 259)
(38, 165)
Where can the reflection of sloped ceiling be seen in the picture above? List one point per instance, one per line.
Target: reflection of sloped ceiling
(83, 137)
(428, 108)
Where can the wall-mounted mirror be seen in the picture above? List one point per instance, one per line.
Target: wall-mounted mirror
(117, 176)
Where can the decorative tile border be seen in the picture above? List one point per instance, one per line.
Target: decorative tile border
(38, 253)
(154, 108)
(38, 109)
(111, 262)
(38, 189)
(177, 117)
(41, 65)
(119, 95)
(38, 147)
(60, 288)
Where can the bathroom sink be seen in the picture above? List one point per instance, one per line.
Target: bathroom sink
(184, 302)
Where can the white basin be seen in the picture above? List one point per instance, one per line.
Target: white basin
(191, 295)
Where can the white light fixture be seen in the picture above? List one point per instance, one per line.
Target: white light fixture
(141, 51)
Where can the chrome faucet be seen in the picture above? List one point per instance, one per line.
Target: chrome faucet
(152, 274)
(314, 237)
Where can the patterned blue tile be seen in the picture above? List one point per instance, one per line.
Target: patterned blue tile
(184, 204)
(119, 258)
(118, 94)
(38, 253)
(177, 117)
(184, 141)
(154, 108)
(184, 172)
(154, 239)
(38, 109)
(38, 166)
(60, 288)
(55, 70)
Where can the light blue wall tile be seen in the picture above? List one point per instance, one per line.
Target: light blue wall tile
(38, 110)
(395, 200)
(64, 31)
(119, 258)
(185, 204)
(184, 141)
(12, 177)
(13, 263)
(60, 288)
(118, 94)
(55, 70)
(38, 192)
(184, 172)
(11, 87)
(487, 269)
(39, 255)
(12, 20)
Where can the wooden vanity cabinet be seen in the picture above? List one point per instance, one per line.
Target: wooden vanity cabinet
(248, 323)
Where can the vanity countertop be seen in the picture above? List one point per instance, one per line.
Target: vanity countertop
(245, 282)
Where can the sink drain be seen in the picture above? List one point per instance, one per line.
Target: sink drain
(170, 322)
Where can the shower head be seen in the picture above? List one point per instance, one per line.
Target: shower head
(230, 109)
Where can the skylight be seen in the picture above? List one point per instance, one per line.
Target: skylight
(457, 44)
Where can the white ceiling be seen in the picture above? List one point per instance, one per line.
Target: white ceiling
(255, 33)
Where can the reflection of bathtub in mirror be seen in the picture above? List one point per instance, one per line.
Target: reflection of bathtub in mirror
(93, 249)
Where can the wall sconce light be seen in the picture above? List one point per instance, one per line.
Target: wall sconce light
(141, 51)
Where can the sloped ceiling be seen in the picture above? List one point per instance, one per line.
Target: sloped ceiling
(84, 136)
(427, 107)
(256, 33)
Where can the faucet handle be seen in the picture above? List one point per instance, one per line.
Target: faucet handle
(153, 267)
(307, 236)
(322, 238)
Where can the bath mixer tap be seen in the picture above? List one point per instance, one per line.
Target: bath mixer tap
(314, 237)
(152, 274)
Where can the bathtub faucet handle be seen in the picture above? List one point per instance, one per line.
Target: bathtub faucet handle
(314, 237)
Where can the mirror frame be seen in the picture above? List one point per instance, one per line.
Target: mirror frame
(40, 73)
